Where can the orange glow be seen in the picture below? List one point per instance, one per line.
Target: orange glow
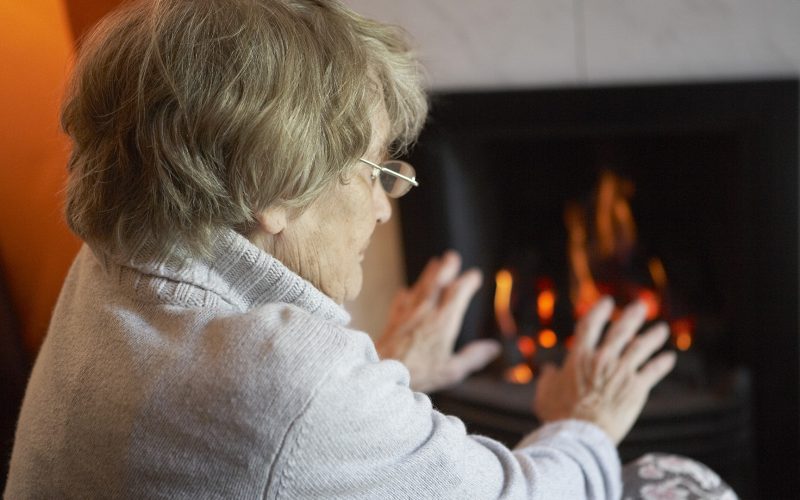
(658, 273)
(547, 338)
(683, 341)
(526, 346)
(37, 248)
(683, 333)
(502, 303)
(652, 302)
(545, 304)
(583, 290)
(616, 230)
(519, 374)
(569, 342)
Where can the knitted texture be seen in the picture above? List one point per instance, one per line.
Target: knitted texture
(232, 377)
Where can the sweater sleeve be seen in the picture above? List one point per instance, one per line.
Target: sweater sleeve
(365, 434)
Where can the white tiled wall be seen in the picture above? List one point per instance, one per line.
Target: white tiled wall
(530, 43)
(512, 43)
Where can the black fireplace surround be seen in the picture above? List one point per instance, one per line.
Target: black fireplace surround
(715, 167)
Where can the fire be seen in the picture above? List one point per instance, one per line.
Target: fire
(602, 255)
(502, 303)
(519, 374)
(584, 291)
(603, 260)
(616, 230)
(545, 305)
(547, 338)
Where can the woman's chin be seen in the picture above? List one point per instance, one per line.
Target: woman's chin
(354, 283)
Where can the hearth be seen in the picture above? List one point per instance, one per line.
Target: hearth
(685, 196)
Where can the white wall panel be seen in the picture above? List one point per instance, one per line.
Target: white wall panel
(482, 43)
(690, 39)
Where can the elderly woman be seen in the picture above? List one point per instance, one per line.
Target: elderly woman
(231, 160)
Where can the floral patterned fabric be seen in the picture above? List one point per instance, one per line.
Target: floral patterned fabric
(658, 476)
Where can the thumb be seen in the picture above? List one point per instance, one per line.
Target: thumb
(547, 372)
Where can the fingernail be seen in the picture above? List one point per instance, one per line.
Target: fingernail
(477, 272)
(606, 301)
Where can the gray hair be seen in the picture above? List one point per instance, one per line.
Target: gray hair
(188, 116)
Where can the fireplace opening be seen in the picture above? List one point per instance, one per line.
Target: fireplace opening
(684, 196)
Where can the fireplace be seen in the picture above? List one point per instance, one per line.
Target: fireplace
(709, 173)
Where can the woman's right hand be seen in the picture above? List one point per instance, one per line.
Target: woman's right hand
(424, 323)
(606, 385)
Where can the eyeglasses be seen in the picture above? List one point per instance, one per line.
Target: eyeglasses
(399, 179)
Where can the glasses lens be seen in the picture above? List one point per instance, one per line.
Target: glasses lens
(394, 186)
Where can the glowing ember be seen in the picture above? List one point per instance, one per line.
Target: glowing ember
(519, 374)
(683, 341)
(547, 338)
(658, 273)
(683, 333)
(502, 303)
(526, 346)
(545, 304)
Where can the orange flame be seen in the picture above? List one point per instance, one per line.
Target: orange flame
(519, 374)
(616, 230)
(502, 303)
(545, 304)
(584, 292)
(547, 338)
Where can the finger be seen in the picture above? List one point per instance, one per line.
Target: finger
(657, 369)
(623, 330)
(457, 295)
(400, 301)
(453, 306)
(644, 346)
(451, 265)
(589, 328)
(443, 272)
(472, 357)
(427, 277)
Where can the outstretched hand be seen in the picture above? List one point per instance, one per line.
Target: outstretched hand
(607, 385)
(424, 322)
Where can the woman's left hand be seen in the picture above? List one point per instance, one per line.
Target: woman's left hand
(424, 322)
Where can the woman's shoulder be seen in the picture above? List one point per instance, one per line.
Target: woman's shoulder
(285, 342)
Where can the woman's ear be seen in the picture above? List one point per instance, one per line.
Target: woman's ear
(272, 220)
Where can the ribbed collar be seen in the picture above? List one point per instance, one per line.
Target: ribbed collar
(237, 271)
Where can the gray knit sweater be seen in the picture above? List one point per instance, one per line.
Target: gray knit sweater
(232, 377)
